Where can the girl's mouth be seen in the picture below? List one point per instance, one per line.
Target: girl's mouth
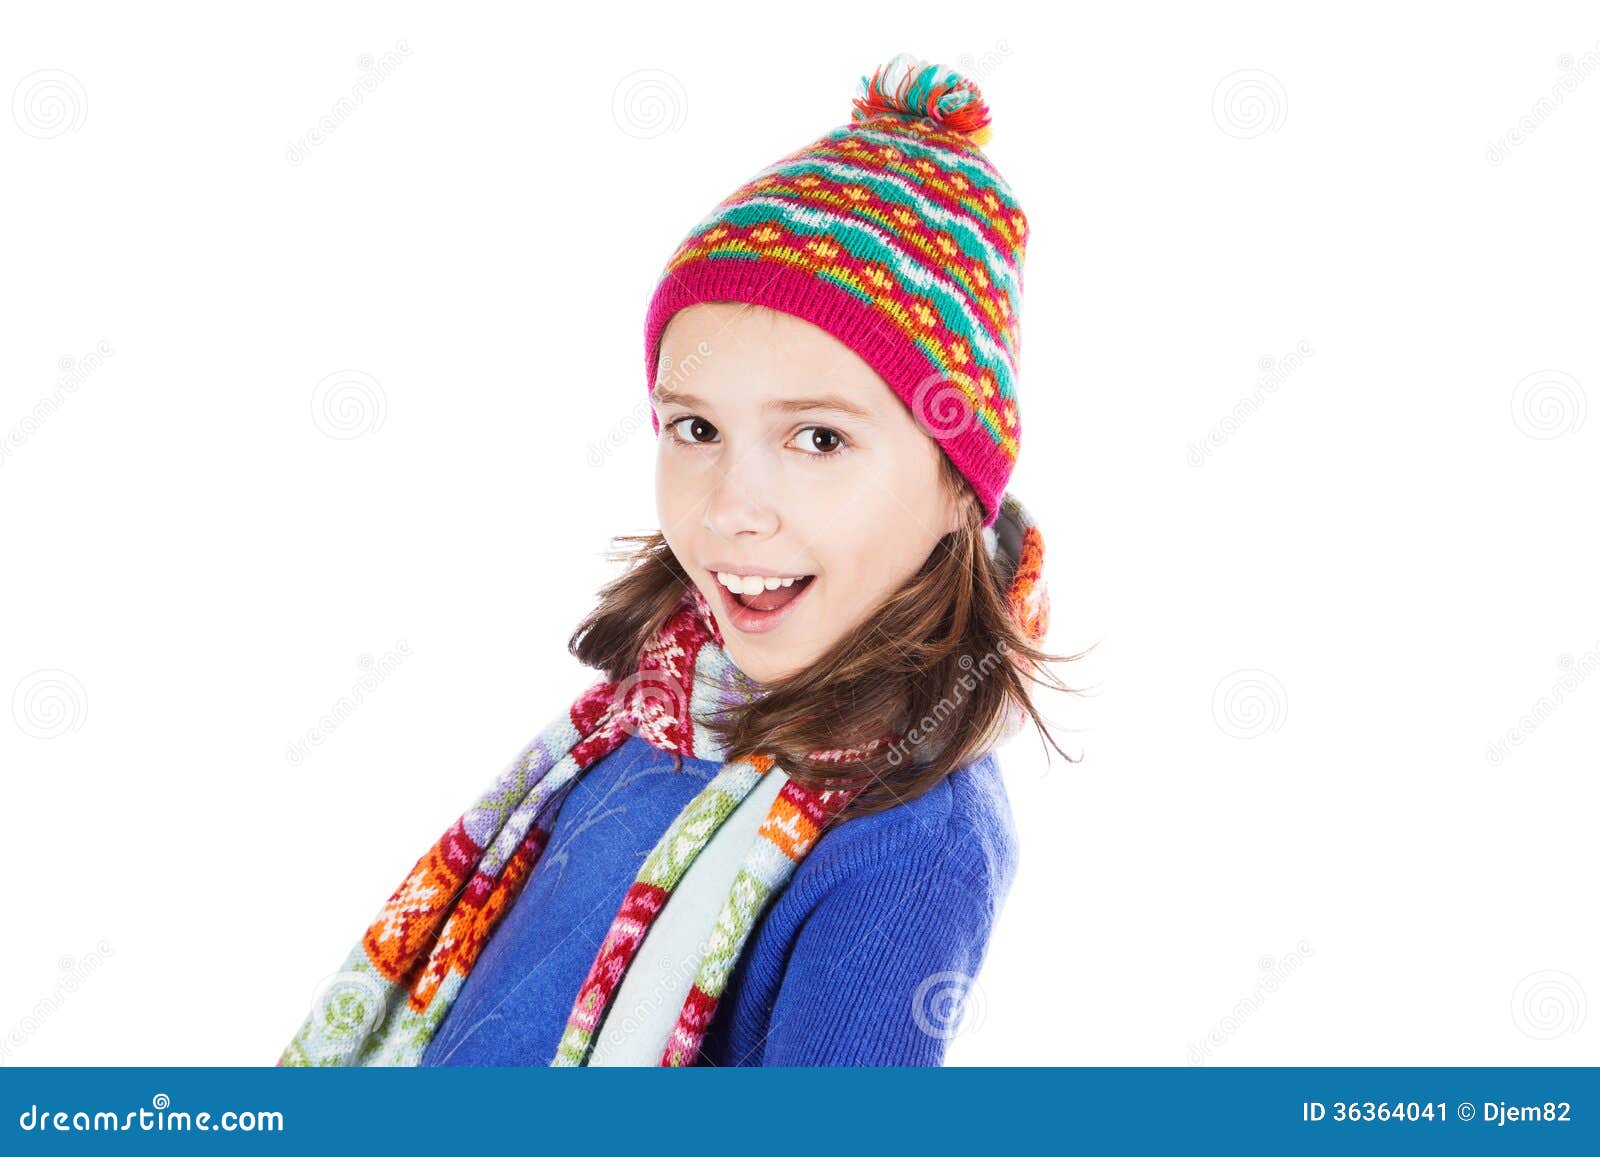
(754, 614)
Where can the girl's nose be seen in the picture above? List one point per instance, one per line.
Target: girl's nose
(738, 505)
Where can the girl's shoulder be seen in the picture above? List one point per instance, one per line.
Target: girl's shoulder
(960, 829)
(866, 955)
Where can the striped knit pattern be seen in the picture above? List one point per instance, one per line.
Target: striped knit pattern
(398, 983)
(792, 826)
(648, 894)
(895, 234)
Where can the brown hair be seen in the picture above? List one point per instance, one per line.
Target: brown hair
(940, 664)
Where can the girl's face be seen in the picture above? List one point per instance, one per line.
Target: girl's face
(782, 453)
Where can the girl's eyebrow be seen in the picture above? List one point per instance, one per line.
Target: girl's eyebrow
(833, 402)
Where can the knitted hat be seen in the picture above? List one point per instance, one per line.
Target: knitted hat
(896, 235)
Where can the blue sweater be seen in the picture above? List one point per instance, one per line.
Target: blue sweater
(842, 968)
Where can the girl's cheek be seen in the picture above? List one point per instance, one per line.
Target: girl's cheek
(678, 461)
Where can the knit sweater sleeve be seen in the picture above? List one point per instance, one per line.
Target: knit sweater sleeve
(886, 962)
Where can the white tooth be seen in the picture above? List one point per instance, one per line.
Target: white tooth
(727, 580)
(788, 582)
(753, 585)
(773, 584)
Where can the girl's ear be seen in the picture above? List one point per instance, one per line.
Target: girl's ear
(960, 510)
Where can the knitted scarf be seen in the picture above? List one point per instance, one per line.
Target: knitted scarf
(399, 981)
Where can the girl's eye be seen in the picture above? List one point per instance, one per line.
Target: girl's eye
(826, 443)
(823, 442)
(699, 423)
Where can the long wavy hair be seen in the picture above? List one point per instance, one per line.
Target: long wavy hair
(923, 686)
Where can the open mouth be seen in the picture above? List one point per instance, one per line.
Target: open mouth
(766, 608)
(775, 597)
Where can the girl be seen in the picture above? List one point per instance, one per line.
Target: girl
(775, 832)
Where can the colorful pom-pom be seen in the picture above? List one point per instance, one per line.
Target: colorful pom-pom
(915, 89)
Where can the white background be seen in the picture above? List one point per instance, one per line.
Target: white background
(1317, 602)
